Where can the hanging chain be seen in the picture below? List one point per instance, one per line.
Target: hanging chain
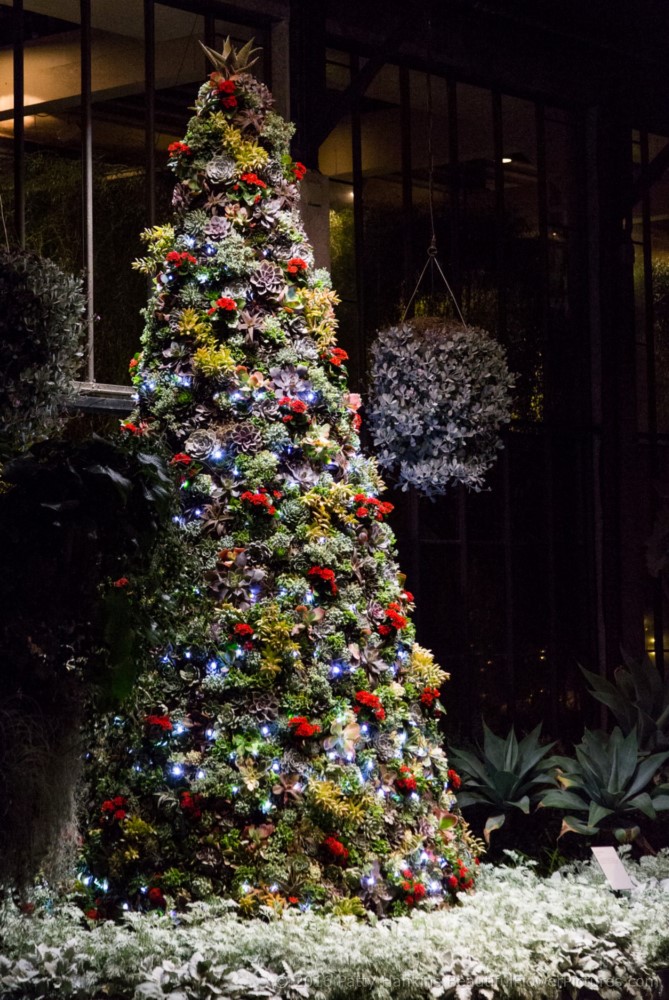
(432, 261)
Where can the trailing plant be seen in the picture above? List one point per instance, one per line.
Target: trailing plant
(41, 331)
(440, 394)
(638, 698)
(506, 775)
(609, 785)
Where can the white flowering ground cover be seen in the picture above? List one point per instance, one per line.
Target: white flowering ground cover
(519, 936)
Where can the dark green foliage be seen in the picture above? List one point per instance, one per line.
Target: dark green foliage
(639, 699)
(506, 775)
(41, 332)
(609, 784)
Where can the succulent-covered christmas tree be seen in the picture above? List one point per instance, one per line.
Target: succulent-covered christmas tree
(283, 748)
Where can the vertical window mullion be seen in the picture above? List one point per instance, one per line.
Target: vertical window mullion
(19, 126)
(150, 109)
(358, 224)
(87, 182)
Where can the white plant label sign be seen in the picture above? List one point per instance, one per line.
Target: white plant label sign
(608, 860)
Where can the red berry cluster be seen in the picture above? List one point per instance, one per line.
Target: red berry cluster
(394, 620)
(300, 726)
(405, 781)
(176, 258)
(415, 891)
(336, 849)
(259, 501)
(366, 699)
(374, 509)
(160, 722)
(326, 575)
(113, 809)
(191, 805)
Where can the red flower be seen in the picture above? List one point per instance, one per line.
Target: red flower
(92, 914)
(181, 459)
(455, 779)
(419, 890)
(409, 900)
(253, 179)
(225, 303)
(107, 806)
(336, 849)
(452, 882)
(408, 596)
(243, 629)
(137, 429)
(326, 575)
(296, 265)
(300, 726)
(299, 170)
(191, 804)
(120, 800)
(122, 581)
(429, 695)
(394, 620)
(156, 897)
(337, 356)
(362, 512)
(405, 782)
(133, 363)
(357, 421)
(371, 507)
(259, 500)
(160, 721)
(176, 258)
(179, 149)
(293, 900)
(120, 814)
(226, 86)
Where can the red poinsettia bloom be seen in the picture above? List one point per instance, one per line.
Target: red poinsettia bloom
(225, 303)
(300, 726)
(336, 849)
(296, 265)
(122, 581)
(454, 779)
(160, 722)
(181, 459)
(299, 170)
(179, 149)
(326, 575)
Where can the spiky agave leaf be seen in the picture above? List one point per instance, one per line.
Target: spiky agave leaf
(230, 61)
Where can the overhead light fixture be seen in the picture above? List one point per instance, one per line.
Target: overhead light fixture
(507, 159)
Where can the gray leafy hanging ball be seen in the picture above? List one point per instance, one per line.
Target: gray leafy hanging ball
(440, 394)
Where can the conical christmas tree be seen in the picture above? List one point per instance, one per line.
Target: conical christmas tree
(284, 747)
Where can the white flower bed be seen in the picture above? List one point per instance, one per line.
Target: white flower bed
(518, 937)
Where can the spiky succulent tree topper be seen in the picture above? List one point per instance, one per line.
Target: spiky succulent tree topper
(284, 747)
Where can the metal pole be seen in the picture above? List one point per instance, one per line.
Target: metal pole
(87, 179)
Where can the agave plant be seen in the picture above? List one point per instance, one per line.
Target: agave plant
(507, 775)
(638, 698)
(609, 784)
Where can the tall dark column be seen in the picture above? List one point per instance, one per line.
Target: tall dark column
(307, 77)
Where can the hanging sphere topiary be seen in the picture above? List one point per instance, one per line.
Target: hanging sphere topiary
(439, 395)
(41, 330)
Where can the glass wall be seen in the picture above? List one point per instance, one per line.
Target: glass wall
(145, 65)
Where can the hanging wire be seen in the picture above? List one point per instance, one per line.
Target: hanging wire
(432, 262)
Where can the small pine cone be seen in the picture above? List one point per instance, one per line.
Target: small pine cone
(268, 281)
(221, 169)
